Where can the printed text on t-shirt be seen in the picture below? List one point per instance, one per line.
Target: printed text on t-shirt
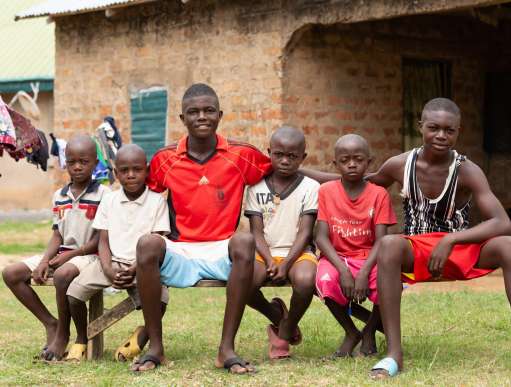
(347, 228)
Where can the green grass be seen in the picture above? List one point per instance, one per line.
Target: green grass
(24, 237)
(450, 339)
(19, 248)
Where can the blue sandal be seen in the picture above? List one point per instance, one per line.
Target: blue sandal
(386, 364)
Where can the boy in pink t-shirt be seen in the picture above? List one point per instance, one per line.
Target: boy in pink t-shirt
(353, 215)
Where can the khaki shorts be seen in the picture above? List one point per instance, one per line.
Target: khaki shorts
(92, 279)
(80, 262)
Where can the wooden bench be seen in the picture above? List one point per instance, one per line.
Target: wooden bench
(101, 319)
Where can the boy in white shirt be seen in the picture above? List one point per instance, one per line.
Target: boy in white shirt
(122, 218)
(282, 209)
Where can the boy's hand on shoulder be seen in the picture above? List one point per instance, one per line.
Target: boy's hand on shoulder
(347, 284)
(61, 258)
(439, 256)
(40, 273)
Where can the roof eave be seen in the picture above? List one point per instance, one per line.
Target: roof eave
(82, 11)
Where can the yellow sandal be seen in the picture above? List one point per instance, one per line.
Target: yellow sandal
(129, 349)
(77, 352)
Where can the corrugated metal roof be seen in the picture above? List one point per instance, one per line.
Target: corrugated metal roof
(28, 47)
(69, 7)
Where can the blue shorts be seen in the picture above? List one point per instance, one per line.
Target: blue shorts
(186, 263)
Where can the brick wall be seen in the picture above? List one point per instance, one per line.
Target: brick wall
(347, 78)
(268, 69)
(161, 44)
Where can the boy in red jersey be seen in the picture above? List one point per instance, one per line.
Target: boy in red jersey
(353, 215)
(438, 186)
(205, 175)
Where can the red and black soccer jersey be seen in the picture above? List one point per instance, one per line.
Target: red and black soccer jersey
(205, 196)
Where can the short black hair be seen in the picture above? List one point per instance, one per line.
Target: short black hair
(83, 141)
(353, 138)
(199, 89)
(132, 150)
(289, 133)
(441, 104)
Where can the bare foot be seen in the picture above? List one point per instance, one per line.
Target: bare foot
(238, 366)
(56, 349)
(368, 346)
(348, 345)
(51, 330)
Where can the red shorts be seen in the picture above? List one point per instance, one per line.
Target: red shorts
(459, 266)
(328, 282)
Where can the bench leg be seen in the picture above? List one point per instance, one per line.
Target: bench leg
(95, 345)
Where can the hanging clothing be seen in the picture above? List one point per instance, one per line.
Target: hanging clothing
(113, 134)
(27, 139)
(58, 149)
(108, 141)
(7, 131)
(40, 157)
(107, 150)
(104, 170)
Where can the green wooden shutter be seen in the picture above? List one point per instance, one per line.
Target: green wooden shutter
(149, 119)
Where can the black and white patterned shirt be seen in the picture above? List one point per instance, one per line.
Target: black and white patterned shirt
(424, 215)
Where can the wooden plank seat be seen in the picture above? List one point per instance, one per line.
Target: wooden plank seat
(101, 319)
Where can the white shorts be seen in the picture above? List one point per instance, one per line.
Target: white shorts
(186, 263)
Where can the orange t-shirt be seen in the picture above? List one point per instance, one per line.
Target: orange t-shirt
(352, 223)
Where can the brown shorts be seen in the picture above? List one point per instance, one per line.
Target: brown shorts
(92, 279)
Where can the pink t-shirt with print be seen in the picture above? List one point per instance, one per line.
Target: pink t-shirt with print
(352, 223)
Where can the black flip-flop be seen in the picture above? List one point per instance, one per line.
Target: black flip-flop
(147, 358)
(238, 361)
